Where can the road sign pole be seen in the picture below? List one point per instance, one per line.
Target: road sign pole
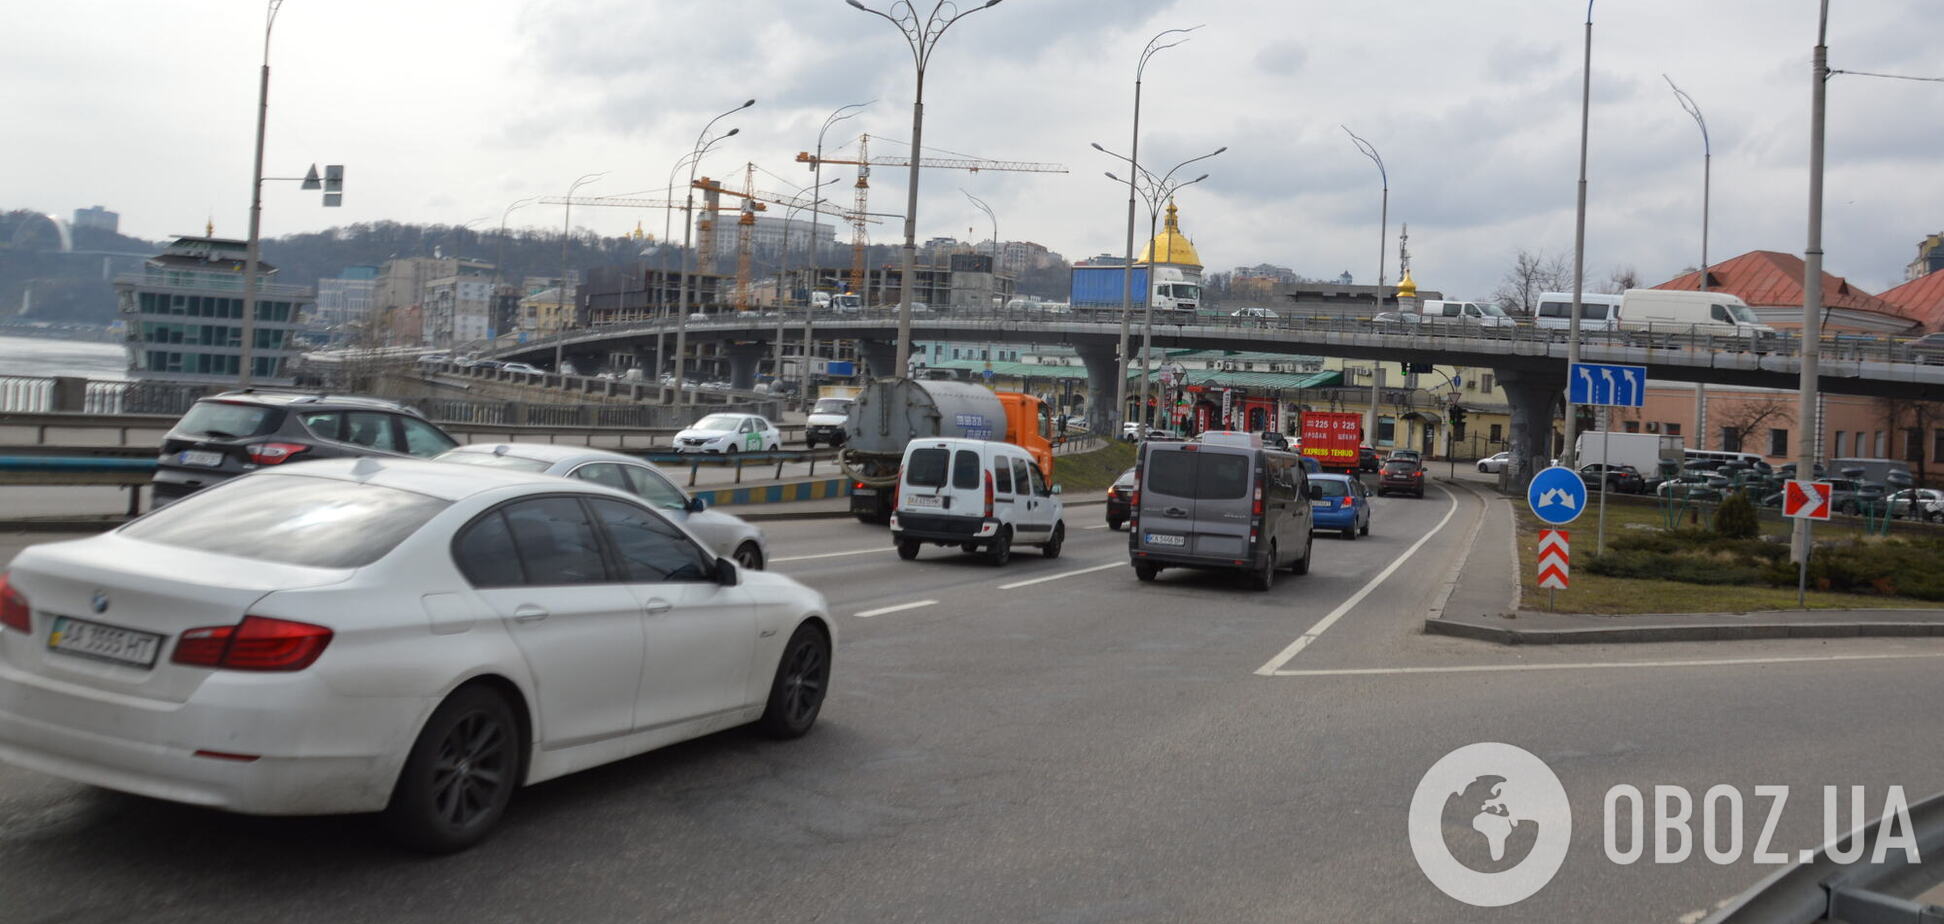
(1606, 470)
(1802, 564)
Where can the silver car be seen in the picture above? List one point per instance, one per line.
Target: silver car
(728, 536)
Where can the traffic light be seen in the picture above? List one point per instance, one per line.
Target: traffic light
(1457, 413)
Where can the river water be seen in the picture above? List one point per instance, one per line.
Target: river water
(39, 356)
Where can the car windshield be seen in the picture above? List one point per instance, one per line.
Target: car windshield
(832, 406)
(228, 420)
(1126, 478)
(291, 519)
(1744, 314)
(492, 460)
(1494, 311)
(723, 422)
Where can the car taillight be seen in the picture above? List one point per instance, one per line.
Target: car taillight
(258, 643)
(858, 486)
(988, 492)
(1349, 501)
(1255, 509)
(13, 608)
(274, 453)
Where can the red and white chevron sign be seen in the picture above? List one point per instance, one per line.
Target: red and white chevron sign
(1555, 558)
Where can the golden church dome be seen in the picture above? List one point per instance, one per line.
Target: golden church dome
(1406, 288)
(1171, 246)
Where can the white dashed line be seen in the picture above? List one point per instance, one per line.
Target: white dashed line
(831, 554)
(894, 609)
(1063, 574)
(1590, 665)
(1095, 526)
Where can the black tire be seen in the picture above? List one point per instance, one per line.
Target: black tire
(1264, 578)
(907, 549)
(749, 555)
(1145, 571)
(809, 444)
(730, 451)
(1052, 548)
(797, 692)
(459, 775)
(1350, 534)
(1302, 565)
(1115, 524)
(1000, 551)
(1365, 529)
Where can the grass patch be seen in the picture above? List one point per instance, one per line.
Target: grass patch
(1649, 569)
(1083, 473)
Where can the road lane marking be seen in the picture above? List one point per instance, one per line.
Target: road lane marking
(1591, 665)
(1095, 526)
(894, 609)
(831, 554)
(1063, 574)
(1323, 625)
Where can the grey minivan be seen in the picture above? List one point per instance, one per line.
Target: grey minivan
(1225, 502)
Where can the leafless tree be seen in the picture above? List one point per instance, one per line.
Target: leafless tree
(1621, 279)
(1741, 420)
(1531, 274)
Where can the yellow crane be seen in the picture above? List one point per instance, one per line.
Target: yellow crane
(865, 162)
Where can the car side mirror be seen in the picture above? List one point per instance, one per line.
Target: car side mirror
(725, 573)
(1315, 491)
(696, 505)
(1056, 489)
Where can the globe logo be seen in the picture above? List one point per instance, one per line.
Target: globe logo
(1489, 824)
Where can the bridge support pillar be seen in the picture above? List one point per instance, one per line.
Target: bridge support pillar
(1103, 368)
(1533, 396)
(743, 360)
(880, 358)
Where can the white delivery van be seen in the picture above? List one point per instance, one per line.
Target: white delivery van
(979, 495)
(1481, 314)
(1681, 311)
(1598, 311)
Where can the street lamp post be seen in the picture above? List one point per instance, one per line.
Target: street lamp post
(560, 291)
(1707, 169)
(815, 205)
(922, 35)
(816, 179)
(1383, 211)
(499, 259)
(1807, 443)
(1569, 454)
(702, 145)
(992, 278)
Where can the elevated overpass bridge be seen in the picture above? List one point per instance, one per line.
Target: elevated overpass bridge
(1529, 362)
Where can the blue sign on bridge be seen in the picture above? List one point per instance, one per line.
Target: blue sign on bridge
(1603, 383)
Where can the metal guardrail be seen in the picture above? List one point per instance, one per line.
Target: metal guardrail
(1854, 893)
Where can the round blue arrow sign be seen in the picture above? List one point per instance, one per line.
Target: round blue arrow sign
(1557, 495)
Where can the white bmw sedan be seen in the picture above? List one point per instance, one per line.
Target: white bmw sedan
(402, 636)
(729, 536)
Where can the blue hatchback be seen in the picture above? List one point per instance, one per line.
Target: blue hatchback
(1345, 505)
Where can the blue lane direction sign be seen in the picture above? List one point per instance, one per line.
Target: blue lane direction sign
(1607, 384)
(1557, 495)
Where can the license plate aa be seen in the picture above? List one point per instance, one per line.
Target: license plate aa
(200, 457)
(923, 500)
(864, 492)
(1164, 539)
(107, 643)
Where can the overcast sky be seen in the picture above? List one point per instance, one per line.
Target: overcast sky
(448, 110)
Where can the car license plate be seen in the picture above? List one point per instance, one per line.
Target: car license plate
(200, 457)
(923, 500)
(1322, 505)
(1164, 539)
(865, 492)
(107, 643)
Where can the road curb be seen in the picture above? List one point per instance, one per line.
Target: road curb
(1699, 632)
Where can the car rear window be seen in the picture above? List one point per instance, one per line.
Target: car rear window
(291, 519)
(1198, 475)
(493, 460)
(927, 468)
(224, 420)
(1331, 487)
(965, 470)
(1400, 465)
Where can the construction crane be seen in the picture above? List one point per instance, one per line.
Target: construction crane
(753, 201)
(865, 162)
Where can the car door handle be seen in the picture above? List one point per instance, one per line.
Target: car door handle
(657, 606)
(527, 612)
(1175, 512)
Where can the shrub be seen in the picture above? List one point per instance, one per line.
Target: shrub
(1735, 518)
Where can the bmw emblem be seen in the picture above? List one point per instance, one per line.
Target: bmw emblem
(100, 601)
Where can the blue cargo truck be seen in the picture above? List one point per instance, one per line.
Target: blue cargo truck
(1097, 288)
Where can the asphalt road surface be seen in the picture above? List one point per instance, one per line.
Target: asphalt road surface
(1054, 741)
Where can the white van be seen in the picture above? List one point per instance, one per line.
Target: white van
(1481, 314)
(979, 495)
(1682, 311)
(1598, 311)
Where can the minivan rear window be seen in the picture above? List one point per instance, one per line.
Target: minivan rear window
(927, 468)
(226, 421)
(966, 471)
(1198, 475)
